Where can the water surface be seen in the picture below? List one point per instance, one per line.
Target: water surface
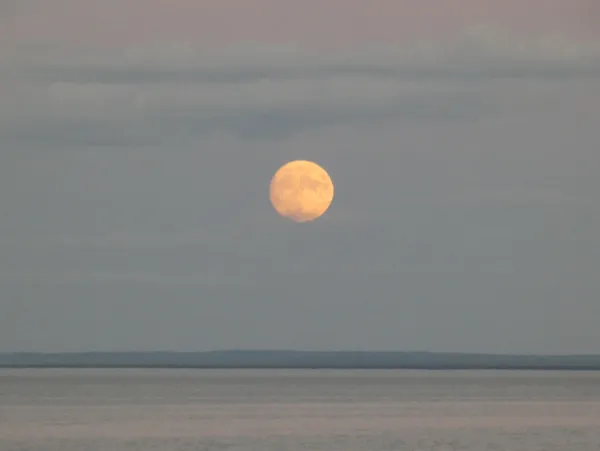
(264, 410)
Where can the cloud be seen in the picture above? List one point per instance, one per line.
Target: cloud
(147, 95)
(470, 51)
(121, 240)
(11, 9)
(8, 7)
(105, 277)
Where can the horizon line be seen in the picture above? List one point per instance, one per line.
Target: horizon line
(306, 351)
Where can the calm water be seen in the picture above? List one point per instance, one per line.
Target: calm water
(127, 410)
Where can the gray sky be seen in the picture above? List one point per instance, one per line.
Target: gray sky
(134, 211)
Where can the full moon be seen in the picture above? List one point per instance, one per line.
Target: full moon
(301, 191)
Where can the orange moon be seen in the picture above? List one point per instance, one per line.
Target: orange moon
(301, 191)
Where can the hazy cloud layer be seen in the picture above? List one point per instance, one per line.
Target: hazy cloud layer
(147, 96)
(134, 211)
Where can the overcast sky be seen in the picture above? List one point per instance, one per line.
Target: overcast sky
(138, 139)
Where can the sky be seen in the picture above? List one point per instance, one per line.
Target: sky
(138, 140)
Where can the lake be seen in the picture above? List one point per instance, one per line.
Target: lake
(279, 410)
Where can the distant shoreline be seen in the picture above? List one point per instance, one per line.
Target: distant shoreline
(346, 360)
(341, 368)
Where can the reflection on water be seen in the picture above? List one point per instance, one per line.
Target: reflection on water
(288, 410)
